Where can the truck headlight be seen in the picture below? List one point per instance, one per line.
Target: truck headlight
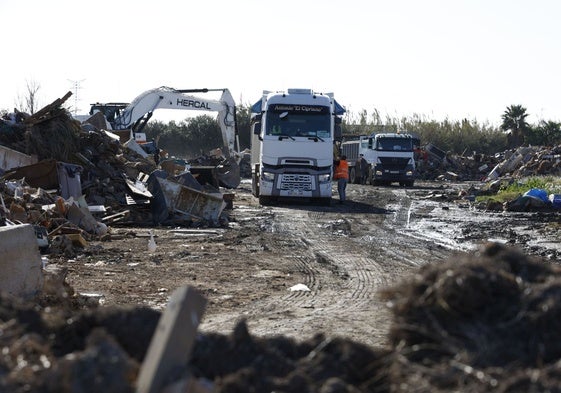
(268, 176)
(378, 173)
(409, 173)
(324, 178)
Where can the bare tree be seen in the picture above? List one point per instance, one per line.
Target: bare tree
(29, 103)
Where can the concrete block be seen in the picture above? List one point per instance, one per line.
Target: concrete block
(20, 261)
(10, 159)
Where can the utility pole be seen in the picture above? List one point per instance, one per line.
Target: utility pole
(76, 87)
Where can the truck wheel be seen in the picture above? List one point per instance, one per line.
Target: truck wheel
(265, 200)
(352, 175)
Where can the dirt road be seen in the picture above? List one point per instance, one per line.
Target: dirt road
(340, 255)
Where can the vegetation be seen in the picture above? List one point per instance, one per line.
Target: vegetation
(510, 190)
(551, 184)
(515, 125)
(198, 135)
(189, 138)
(456, 136)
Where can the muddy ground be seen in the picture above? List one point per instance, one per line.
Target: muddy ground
(344, 254)
(291, 273)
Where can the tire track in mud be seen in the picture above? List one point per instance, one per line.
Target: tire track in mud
(343, 280)
(353, 278)
(344, 255)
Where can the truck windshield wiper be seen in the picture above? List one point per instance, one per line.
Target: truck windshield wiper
(281, 137)
(315, 138)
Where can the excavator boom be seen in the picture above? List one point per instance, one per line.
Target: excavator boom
(135, 115)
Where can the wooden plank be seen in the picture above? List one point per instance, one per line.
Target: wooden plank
(39, 116)
(173, 340)
(116, 215)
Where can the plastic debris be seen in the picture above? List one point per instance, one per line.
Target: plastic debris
(299, 287)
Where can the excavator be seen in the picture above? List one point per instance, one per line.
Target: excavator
(135, 115)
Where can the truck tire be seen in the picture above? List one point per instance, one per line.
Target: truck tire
(352, 175)
(265, 200)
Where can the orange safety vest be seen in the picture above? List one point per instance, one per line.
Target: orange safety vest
(342, 170)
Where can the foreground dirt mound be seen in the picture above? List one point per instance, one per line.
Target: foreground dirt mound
(482, 322)
(486, 322)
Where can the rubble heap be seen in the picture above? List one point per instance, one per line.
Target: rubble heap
(50, 157)
(522, 162)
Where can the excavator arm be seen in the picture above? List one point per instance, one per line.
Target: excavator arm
(135, 115)
(139, 111)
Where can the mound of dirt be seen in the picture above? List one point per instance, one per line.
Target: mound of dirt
(488, 321)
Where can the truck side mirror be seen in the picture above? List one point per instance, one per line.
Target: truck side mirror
(256, 125)
(256, 128)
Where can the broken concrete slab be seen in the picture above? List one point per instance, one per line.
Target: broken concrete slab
(173, 340)
(20, 261)
(10, 159)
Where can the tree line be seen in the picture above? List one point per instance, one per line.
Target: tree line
(195, 136)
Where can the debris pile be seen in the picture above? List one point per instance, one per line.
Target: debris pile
(435, 164)
(77, 178)
(522, 162)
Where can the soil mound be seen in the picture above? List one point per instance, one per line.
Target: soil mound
(488, 321)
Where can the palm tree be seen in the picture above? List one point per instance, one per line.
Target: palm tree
(550, 132)
(514, 122)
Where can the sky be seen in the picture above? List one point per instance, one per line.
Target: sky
(439, 59)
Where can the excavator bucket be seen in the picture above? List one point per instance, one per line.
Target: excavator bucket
(228, 173)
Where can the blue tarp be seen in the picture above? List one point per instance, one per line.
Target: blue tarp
(538, 193)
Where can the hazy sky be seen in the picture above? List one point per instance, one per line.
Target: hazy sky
(436, 58)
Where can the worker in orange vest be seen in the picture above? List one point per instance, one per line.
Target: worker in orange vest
(342, 177)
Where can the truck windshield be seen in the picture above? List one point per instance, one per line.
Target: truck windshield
(298, 121)
(394, 144)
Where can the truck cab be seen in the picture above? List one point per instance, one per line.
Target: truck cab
(393, 159)
(390, 155)
(292, 145)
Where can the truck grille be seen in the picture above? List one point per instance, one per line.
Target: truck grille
(296, 182)
(394, 163)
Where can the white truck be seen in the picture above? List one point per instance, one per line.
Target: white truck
(292, 145)
(390, 156)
